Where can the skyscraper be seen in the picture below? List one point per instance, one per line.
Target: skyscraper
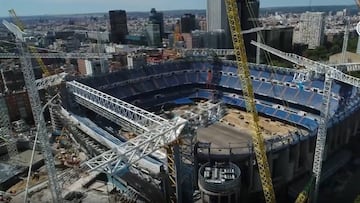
(188, 23)
(118, 26)
(217, 19)
(311, 29)
(157, 18)
(153, 35)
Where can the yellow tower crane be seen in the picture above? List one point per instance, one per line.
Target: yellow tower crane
(31, 48)
(248, 93)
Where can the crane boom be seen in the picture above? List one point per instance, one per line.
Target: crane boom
(31, 49)
(331, 74)
(36, 108)
(248, 92)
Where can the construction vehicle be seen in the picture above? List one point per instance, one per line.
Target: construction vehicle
(248, 92)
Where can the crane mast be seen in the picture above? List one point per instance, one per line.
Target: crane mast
(331, 74)
(31, 48)
(35, 103)
(248, 93)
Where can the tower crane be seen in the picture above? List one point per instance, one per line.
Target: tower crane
(248, 92)
(313, 68)
(31, 48)
(35, 102)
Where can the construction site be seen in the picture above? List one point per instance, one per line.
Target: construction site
(204, 126)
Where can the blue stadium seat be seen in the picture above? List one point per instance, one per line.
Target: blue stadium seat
(268, 110)
(203, 77)
(181, 78)
(231, 82)
(223, 81)
(294, 118)
(256, 84)
(265, 74)
(265, 87)
(280, 114)
(192, 77)
(148, 85)
(290, 93)
(161, 82)
(303, 97)
(317, 84)
(171, 80)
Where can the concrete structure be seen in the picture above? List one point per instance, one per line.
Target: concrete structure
(290, 151)
(118, 26)
(92, 67)
(219, 182)
(349, 58)
(19, 106)
(311, 29)
(136, 60)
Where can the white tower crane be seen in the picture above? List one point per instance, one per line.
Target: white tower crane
(331, 73)
(35, 102)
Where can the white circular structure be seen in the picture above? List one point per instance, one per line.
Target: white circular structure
(358, 28)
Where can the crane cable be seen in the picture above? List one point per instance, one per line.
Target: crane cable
(269, 60)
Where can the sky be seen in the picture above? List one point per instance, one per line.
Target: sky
(46, 7)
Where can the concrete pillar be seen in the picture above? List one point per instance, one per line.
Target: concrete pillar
(282, 166)
(295, 151)
(178, 177)
(251, 169)
(356, 127)
(358, 46)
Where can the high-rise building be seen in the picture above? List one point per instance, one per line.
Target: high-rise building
(188, 23)
(118, 26)
(216, 17)
(153, 35)
(157, 18)
(311, 29)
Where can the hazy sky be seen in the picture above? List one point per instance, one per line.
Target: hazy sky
(40, 7)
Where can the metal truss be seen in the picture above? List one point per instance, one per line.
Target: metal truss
(111, 105)
(5, 132)
(35, 102)
(157, 131)
(137, 148)
(310, 65)
(331, 73)
(349, 67)
(206, 52)
(49, 81)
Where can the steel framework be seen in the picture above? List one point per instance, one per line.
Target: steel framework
(157, 131)
(5, 132)
(315, 68)
(248, 93)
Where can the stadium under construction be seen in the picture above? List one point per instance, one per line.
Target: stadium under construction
(215, 157)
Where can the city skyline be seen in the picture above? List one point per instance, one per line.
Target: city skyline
(44, 7)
